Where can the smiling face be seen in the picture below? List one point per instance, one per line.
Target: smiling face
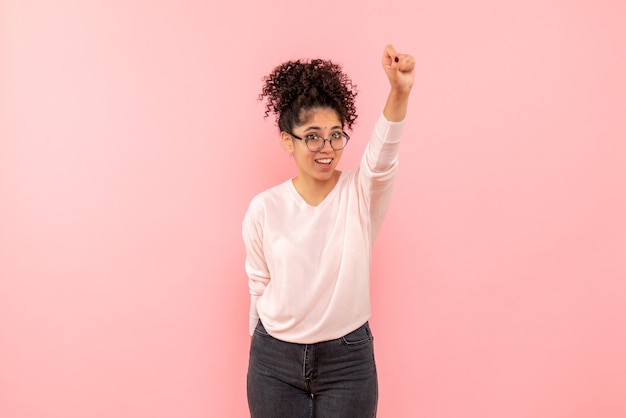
(315, 166)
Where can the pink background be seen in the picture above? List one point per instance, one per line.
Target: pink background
(131, 142)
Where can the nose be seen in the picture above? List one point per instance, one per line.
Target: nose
(326, 144)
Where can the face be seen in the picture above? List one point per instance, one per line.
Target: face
(315, 165)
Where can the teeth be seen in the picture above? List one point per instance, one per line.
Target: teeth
(325, 160)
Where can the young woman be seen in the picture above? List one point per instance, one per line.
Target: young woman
(308, 245)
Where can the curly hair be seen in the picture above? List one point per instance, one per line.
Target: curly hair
(295, 87)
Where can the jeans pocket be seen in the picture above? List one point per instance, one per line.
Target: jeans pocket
(359, 336)
(260, 330)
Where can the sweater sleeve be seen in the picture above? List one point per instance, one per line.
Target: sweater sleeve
(378, 169)
(255, 265)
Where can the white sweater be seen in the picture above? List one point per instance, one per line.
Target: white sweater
(309, 266)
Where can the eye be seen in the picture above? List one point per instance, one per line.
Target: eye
(336, 135)
(312, 137)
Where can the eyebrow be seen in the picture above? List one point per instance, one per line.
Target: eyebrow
(317, 128)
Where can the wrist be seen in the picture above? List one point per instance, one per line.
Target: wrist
(396, 107)
(400, 92)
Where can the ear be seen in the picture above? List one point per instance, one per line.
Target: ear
(286, 141)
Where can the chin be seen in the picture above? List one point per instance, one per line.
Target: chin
(326, 176)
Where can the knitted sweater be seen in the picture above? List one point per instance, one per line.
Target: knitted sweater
(308, 266)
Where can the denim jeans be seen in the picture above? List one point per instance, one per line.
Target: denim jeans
(330, 379)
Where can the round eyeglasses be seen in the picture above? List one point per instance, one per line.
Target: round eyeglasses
(314, 142)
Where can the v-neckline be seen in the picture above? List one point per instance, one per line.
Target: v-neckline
(301, 199)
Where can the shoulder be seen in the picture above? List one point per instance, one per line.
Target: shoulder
(273, 196)
(262, 205)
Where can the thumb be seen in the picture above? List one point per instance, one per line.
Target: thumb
(390, 56)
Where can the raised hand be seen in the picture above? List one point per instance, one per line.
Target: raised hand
(400, 69)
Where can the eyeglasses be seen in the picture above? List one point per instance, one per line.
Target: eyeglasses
(314, 142)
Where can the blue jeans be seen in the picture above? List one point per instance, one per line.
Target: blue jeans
(331, 379)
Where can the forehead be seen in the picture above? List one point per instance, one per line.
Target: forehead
(322, 117)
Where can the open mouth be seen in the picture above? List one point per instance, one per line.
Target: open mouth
(324, 161)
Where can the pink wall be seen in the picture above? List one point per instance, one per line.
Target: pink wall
(131, 142)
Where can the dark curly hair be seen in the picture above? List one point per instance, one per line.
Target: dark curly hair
(295, 87)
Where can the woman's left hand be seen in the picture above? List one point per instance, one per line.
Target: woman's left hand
(400, 69)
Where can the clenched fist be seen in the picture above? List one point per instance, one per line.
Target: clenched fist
(400, 69)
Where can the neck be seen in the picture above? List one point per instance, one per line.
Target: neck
(315, 191)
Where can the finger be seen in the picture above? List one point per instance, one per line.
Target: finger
(406, 63)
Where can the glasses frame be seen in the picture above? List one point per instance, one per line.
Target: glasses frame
(324, 140)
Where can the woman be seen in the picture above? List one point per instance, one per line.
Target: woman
(308, 245)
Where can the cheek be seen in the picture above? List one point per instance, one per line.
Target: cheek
(301, 153)
(300, 156)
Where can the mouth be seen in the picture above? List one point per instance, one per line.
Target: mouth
(324, 161)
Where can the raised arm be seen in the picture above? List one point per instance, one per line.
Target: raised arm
(400, 69)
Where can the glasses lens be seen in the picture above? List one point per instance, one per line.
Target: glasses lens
(314, 142)
(338, 141)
